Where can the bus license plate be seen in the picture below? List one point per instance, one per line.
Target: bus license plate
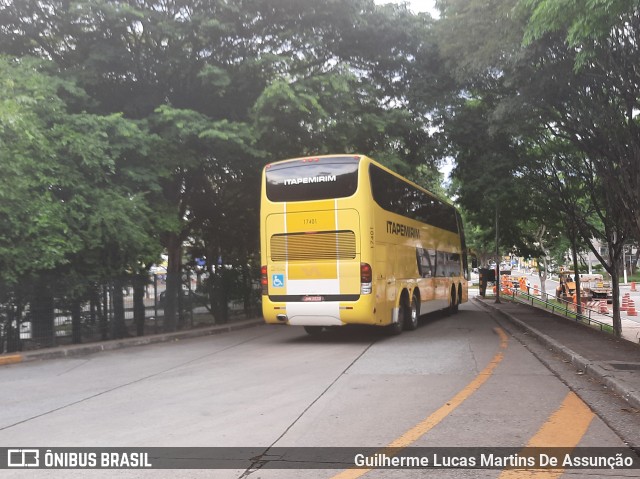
(312, 299)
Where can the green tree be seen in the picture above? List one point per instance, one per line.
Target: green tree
(34, 232)
(549, 73)
(580, 85)
(75, 207)
(479, 129)
(225, 87)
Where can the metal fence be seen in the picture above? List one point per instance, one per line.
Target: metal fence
(587, 315)
(96, 318)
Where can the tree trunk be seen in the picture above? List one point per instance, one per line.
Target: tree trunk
(247, 292)
(542, 274)
(94, 311)
(76, 322)
(613, 267)
(12, 334)
(104, 316)
(174, 267)
(617, 252)
(576, 270)
(221, 313)
(615, 291)
(139, 289)
(43, 315)
(119, 327)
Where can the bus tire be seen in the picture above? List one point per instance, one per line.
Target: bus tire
(314, 330)
(411, 320)
(403, 315)
(453, 307)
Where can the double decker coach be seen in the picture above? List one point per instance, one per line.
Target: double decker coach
(345, 240)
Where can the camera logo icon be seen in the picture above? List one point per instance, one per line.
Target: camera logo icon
(23, 458)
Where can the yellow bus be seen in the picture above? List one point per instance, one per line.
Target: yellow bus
(345, 240)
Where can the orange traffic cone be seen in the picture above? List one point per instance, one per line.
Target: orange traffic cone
(536, 292)
(633, 286)
(603, 308)
(625, 302)
(631, 311)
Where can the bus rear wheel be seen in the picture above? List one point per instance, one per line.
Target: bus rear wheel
(403, 318)
(453, 306)
(411, 320)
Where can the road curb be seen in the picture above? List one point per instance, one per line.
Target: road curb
(92, 348)
(10, 359)
(591, 368)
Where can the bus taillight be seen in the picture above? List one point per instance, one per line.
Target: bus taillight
(263, 280)
(366, 277)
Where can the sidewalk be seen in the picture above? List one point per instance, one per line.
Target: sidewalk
(614, 362)
(90, 348)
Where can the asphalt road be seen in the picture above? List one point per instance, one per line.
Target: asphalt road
(456, 381)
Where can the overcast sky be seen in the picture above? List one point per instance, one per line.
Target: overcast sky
(425, 6)
(416, 5)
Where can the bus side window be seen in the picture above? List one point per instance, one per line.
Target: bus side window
(425, 267)
(433, 260)
(419, 253)
(442, 264)
(455, 264)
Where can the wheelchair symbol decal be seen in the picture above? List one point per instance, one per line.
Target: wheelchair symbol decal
(277, 280)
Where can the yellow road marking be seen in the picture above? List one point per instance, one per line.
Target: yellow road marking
(434, 419)
(564, 428)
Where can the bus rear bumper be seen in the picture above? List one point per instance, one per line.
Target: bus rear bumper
(326, 313)
(304, 314)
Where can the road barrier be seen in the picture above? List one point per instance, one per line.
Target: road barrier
(603, 308)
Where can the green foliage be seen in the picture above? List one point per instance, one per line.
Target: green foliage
(552, 90)
(32, 229)
(72, 185)
(584, 24)
(149, 122)
(479, 38)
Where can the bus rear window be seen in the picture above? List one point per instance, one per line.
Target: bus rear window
(313, 179)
